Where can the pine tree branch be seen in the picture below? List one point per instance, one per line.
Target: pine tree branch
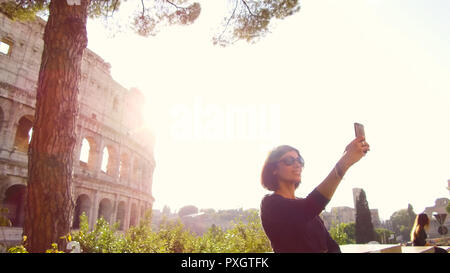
(175, 5)
(248, 8)
(229, 19)
(143, 7)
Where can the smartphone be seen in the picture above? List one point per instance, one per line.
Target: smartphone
(359, 130)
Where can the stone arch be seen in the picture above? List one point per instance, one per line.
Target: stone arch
(14, 201)
(84, 151)
(88, 152)
(120, 216)
(105, 159)
(110, 160)
(6, 45)
(133, 215)
(124, 166)
(83, 204)
(137, 171)
(23, 133)
(105, 209)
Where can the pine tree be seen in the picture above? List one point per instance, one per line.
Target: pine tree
(412, 216)
(364, 230)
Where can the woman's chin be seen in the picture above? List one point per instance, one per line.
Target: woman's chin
(296, 181)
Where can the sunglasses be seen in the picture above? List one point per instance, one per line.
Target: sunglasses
(289, 160)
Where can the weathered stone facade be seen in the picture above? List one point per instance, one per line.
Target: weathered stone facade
(439, 207)
(338, 215)
(117, 186)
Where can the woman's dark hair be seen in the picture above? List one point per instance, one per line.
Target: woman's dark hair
(268, 179)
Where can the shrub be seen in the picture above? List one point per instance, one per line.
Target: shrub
(172, 237)
(102, 239)
(343, 233)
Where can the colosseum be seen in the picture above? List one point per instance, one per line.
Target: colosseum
(114, 152)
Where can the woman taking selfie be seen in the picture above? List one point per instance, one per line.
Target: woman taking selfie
(293, 224)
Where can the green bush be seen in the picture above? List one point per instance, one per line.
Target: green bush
(382, 235)
(172, 237)
(247, 238)
(102, 239)
(344, 233)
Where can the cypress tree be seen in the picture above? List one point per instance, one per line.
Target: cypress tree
(364, 231)
(412, 216)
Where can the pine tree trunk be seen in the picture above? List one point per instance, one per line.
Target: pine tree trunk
(50, 202)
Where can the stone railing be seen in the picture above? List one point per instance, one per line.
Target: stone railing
(10, 235)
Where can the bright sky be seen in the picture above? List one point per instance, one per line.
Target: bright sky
(384, 63)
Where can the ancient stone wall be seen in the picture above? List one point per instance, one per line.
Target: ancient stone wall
(114, 152)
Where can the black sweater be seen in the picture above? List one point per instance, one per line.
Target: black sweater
(420, 239)
(294, 225)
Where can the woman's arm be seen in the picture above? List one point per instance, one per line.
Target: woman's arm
(353, 153)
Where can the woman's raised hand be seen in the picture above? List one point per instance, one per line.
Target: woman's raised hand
(354, 151)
